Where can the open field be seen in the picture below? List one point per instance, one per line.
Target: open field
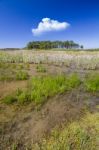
(49, 100)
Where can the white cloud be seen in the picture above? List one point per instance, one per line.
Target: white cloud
(47, 25)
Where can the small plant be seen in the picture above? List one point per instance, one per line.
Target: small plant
(41, 68)
(92, 83)
(10, 99)
(20, 66)
(23, 97)
(27, 66)
(18, 92)
(22, 75)
(74, 81)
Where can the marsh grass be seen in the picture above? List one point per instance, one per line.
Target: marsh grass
(12, 71)
(41, 88)
(92, 83)
(22, 75)
(10, 99)
(82, 135)
(41, 68)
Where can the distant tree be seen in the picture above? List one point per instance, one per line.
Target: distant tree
(81, 46)
(30, 45)
(52, 44)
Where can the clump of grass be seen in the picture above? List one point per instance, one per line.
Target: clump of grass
(23, 98)
(41, 68)
(44, 87)
(22, 75)
(27, 66)
(10, 99)
(13, 71)
(82, 135)
(20, 66)
(5, 77)
(41, 88)
(92, 83)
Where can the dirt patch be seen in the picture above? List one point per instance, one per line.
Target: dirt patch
(7, 88)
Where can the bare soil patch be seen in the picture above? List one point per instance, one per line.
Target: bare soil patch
(7, 88)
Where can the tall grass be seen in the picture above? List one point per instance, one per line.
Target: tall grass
(81, 59)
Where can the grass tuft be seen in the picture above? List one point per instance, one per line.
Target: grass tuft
(92, 83)
(10, 99)
(22, 75)
(41, 68)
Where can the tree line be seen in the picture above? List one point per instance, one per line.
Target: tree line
(53, 44)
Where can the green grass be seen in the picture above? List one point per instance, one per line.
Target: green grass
(92, 83)
(12, 75)
(10, 99)
(41, 88)
(82, 135)
(12, 71)
(41, 68)
(22, 75)
(45, 87)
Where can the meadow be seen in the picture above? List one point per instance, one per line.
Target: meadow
(49, 100)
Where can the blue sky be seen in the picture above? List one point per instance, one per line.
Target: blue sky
(19, 17)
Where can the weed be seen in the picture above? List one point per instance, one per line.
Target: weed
(92, 83)
(10, 99)
(41, 68)
(23, 97)
(22, 75)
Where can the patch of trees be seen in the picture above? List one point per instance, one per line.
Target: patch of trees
(53, 45)
(11, 49)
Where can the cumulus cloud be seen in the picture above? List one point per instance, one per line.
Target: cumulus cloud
(47, 25)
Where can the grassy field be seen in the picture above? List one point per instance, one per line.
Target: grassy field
(49, 100)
